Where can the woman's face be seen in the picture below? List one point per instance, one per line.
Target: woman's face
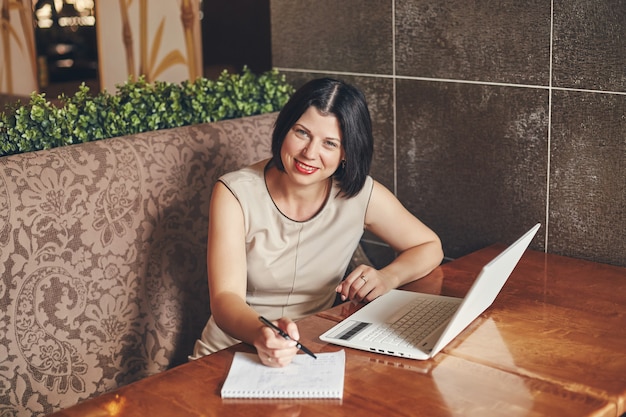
(312, 149)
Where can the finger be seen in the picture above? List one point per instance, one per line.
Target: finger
(342, 290)
(292, 330)
(369, 288)
(273, 342)
(359, 287)
(278, 357)
(371, 296)
(363, 279)
(289, 329)
(347, 288)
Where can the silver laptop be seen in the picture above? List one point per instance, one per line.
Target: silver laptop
(415, 325)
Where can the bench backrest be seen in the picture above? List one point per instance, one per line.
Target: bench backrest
(103, 258)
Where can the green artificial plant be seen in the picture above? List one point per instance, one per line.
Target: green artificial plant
(138, 106)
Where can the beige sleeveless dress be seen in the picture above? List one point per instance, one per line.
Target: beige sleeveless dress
(293, 267)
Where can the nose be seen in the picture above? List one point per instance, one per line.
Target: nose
(311, 150)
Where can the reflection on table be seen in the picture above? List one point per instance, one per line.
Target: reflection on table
(551, 345)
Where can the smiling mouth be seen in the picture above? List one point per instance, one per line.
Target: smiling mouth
(304, 168)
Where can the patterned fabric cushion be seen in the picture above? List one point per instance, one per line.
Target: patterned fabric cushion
(103, 258)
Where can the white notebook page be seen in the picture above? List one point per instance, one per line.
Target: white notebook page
(304, 377)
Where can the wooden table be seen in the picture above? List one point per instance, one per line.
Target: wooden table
(559, 320)
(552, 344)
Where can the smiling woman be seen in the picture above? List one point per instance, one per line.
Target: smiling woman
(282, 231)
(313, 149)
(311, 153)
(348, 122)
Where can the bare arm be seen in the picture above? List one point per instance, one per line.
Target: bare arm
(227, 270)
(418, 247)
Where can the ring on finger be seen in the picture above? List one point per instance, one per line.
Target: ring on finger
(363, 278)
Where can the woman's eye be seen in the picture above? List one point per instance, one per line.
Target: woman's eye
(331, 144)
(302, 133)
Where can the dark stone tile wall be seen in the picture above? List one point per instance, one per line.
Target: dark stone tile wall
(330, 35)
(488, 116)
(496, 41)
(590, 44)
(473, 160)
(588, 176)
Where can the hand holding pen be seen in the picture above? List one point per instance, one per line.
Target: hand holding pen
(282, 333)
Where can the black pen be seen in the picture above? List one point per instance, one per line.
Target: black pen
(286, 336)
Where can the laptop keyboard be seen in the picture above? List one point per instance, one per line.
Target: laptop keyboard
(423, 316)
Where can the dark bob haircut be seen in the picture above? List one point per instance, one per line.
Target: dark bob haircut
(348, 105)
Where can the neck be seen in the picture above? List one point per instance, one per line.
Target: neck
(299, 203)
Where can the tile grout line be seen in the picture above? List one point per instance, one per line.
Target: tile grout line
(549, 138)
(451, 80)
(394, 97)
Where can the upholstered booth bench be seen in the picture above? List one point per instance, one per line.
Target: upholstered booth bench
(103, 258)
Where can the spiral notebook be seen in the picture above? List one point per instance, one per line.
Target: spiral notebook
(304, 377)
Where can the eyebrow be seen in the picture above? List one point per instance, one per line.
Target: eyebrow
(309, 131)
